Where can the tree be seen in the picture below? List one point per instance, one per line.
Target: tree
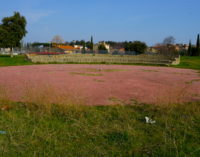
(139, 46)
(92, 44)
(194, 51)
(167, 47)
(169, 40)
(88, 44)
(57, 39)
(84, 49)
(136, 46)
(198, 41)
(77, 42)
(3, 37)
(198, 46)
(12, 30)
(167, 50)
(189, 49)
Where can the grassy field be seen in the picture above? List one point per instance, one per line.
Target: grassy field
(32, 130)
(50, 130)
(186, 62)
(6, 60)
(189, 63)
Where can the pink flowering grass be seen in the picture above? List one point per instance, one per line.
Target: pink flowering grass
(100, 84)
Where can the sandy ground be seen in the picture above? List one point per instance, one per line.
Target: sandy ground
(104, 84)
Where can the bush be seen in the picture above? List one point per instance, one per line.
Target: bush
(136, 46)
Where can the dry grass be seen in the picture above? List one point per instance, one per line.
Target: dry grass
(173, 95)
(56, 124)
(4, 96)
(44, 97)
(176, 95)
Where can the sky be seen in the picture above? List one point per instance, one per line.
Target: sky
(149, 21)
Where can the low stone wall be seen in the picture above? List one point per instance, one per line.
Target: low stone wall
(176, 61)
(97, 58)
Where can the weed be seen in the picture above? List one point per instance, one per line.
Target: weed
(86, 74)
(105, 70)
(148, 70)
(192, 81)
(97, 80)
(116, 101)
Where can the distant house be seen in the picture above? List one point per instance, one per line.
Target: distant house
(96, 46)
(80, 47)
(5, 50)
(154, 49)
(68, 48)
(176, 47)
(122, 50)
(106, 46)
(181, 47)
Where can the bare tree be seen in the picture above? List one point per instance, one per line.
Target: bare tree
(57, 39)
(167, 47)
(169, 40)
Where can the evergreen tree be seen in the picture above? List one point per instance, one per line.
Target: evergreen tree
(92, 44)
(194, 51)
(84, 49)
(189, 49)
(198, 46)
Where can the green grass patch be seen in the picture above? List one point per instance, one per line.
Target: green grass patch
(189, 63)
(186, 62)
(101, 131)
(6, 60)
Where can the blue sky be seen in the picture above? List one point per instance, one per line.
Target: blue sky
(119, 20)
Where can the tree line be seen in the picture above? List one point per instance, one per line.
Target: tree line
(128, 46)
(13, 29)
